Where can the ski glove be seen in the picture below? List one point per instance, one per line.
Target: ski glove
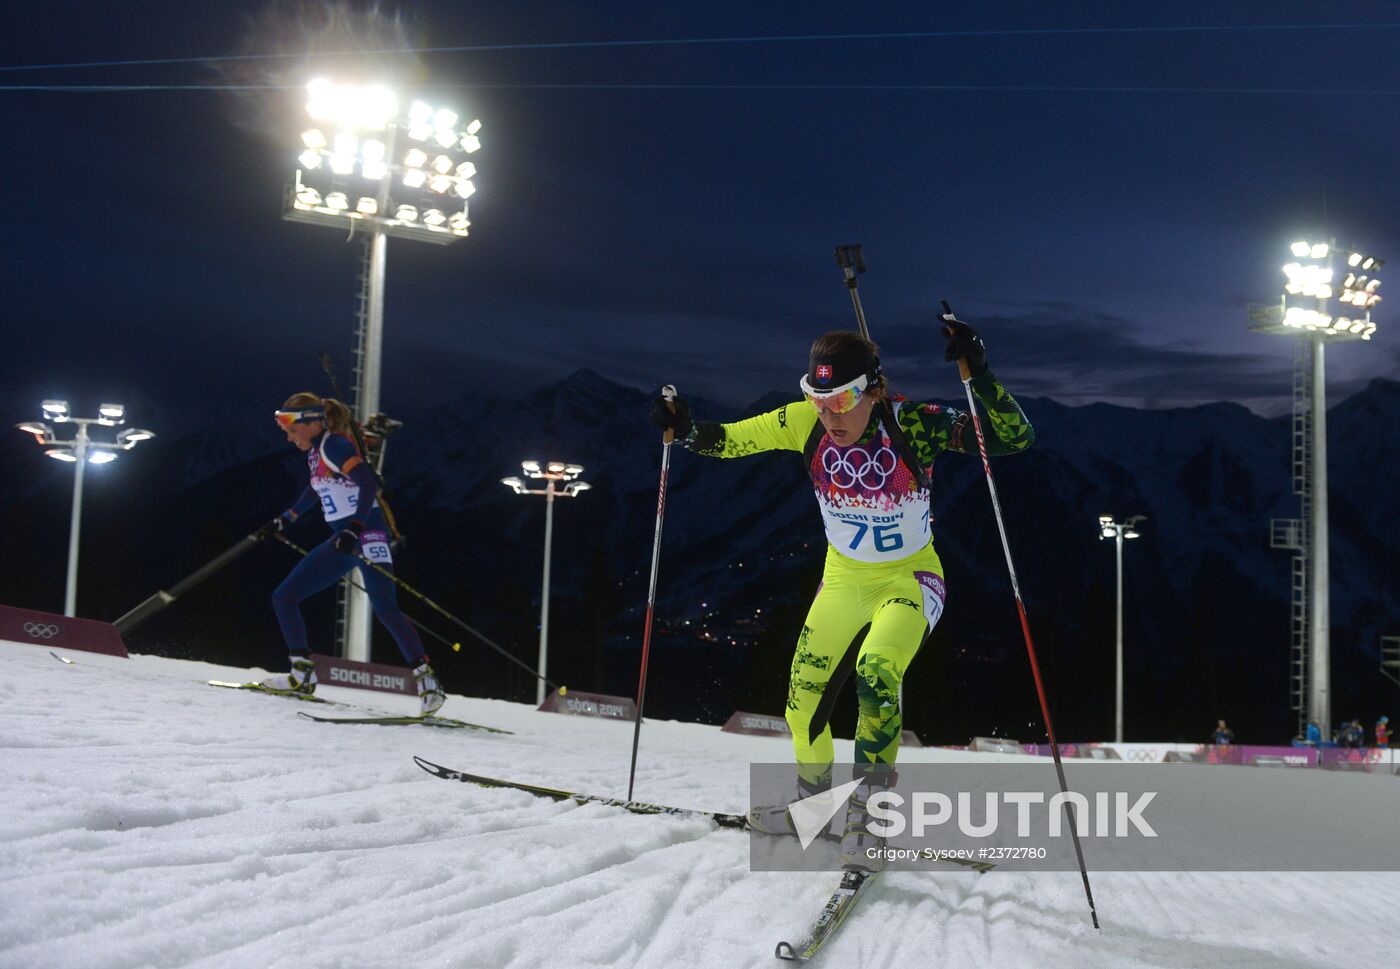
(347, 540)
(274, 527)
(679, 422)
(963, 342)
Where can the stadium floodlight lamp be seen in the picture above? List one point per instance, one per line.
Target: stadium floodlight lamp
(1306, 310)
(360, 144)
(80, 451)
(1111, 528)
(132, 436)
(553, 472)
(359, 165)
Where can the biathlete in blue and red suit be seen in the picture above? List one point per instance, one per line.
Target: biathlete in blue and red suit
(343, 486)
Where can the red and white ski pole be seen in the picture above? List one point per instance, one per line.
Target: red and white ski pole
(966, 374)
(669, 393)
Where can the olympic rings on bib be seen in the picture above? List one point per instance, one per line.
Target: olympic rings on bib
(857, 466)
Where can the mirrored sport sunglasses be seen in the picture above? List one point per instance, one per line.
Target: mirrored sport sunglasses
(286, 418)
(838, 400)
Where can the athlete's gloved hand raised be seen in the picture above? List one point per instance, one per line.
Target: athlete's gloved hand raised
(679, 420)
(274, 527)
(347, 540)
(964, 343)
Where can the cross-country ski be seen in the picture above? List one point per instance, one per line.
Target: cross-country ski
(428, 721)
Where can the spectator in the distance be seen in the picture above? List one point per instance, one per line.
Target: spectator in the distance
(1383, 732)
(1222, 734)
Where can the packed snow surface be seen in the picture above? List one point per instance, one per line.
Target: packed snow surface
(147, 819)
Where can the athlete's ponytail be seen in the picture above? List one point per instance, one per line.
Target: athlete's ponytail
(338, 420)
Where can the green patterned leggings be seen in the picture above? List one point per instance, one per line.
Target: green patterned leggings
(901, 601)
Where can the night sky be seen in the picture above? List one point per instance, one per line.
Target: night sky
(1101, 187)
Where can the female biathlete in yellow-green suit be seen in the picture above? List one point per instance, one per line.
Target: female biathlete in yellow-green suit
(869, 456)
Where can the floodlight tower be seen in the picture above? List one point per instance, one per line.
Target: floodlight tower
(81, 451)
(551, 473)
(1316, 308)
(368, 166)
(1109, 527)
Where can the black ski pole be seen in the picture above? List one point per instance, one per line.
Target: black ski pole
(966, 374)
(429, 602)
(852, 261)
(163, 597)
(668, 392)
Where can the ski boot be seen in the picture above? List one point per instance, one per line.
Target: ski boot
(857, 840)
(775, 818)
(301, 679)
(430, 695)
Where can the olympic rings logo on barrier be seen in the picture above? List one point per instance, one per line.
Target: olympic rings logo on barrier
(858, 466)
(41, 630)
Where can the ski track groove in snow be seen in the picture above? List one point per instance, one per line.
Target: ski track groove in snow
(163, 823)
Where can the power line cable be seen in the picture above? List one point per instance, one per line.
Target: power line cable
(710, 41)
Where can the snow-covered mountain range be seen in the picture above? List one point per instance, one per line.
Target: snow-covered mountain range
(1205, 597)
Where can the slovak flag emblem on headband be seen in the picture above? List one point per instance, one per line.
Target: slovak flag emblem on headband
(823, 372)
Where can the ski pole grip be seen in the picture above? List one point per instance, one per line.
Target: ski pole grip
(963, 370)
(669, 393)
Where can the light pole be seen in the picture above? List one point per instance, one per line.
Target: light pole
(367, 165)
(81, 450)
(1116, 530)
(552, 473)
(1317, 308)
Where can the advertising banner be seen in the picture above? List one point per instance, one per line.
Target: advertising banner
(60, 632)
(579, 704)
(763, 725)
(334, 671)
